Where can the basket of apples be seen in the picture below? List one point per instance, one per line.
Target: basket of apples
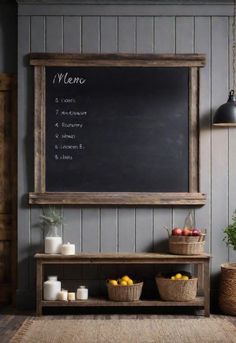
(124, 289)
(186, 241)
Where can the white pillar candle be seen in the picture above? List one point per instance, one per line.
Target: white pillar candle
(63, 295)
(71, 296)
(51, 288)
(53, 245)
(82, 293)
(68, 249)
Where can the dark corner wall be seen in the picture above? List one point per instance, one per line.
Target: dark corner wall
(8, 36)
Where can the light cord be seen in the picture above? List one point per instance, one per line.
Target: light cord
(234, 47)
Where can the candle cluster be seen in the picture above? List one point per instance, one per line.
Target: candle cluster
(52, 291)
(53, 245)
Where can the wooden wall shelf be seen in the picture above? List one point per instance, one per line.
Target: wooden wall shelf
(200, 261)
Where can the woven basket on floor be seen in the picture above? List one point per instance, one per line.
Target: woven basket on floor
(227, 292)
(125, 293)
(177, 290)
(185, 247)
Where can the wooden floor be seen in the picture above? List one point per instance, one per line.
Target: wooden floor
(10, 320)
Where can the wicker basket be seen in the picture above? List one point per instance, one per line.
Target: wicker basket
(177, 290)
(189, 239)
(227, 295)
(185, 247)
(125, 293)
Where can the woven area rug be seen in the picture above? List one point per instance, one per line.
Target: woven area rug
(199, 330)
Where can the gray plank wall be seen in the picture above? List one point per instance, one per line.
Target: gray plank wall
(134, 29)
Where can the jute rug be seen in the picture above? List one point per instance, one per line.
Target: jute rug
(199, 330)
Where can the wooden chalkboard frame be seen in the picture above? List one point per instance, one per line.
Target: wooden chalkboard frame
(40, 195)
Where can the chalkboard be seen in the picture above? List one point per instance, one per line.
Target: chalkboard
(119, 129)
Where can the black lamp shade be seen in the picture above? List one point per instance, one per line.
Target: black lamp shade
(226, 113)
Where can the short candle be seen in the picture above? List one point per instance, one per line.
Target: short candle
(68, 249)
(71, 296)
(63, 295)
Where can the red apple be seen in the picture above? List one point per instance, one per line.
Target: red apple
(186, 232)
(196, 232)
(177, 231)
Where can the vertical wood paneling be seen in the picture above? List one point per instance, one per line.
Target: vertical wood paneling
(164, 42)
(145, 30)
(219, 141)
(108, 229)
(23, 211)
(37, 34)
(144, 229)
(164, 33)
(126, 235)
(90, 229)
(37, 38)
(203, 45)
(162, 220)
(90, 34)
(130, 229)
(54, 34)
(126, 34)
(72, 34)
(72, 226)
(184, 35)
(109, 34)
(232, 147)
(184, 43)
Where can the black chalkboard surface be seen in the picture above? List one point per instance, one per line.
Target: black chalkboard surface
(117, 129)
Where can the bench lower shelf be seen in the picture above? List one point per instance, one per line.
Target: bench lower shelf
(93, 302)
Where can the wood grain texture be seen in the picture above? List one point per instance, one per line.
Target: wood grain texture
(219, 142)
(8, 190)
(122, 258)
(193, 131)
(101, 198)
(115, 60)
(203, 44)
(121, 59)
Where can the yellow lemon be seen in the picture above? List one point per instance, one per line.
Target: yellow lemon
(130, 282)
(178, 276)
(125, 278)
(113, 282)
(185, 277)
(172, 277)
(123, 283)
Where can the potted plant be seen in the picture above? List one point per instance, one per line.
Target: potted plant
(227, 295)
(51, 220)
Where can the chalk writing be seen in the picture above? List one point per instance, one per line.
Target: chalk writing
(65, 79)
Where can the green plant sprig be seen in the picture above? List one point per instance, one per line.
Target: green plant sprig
(51, 216)
(230, 233)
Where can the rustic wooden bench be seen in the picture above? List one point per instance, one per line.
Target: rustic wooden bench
(200, 261)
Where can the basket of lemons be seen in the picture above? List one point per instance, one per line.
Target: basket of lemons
(180, 286)
(124, 289)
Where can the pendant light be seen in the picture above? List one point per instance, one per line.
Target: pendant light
(226, 113)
